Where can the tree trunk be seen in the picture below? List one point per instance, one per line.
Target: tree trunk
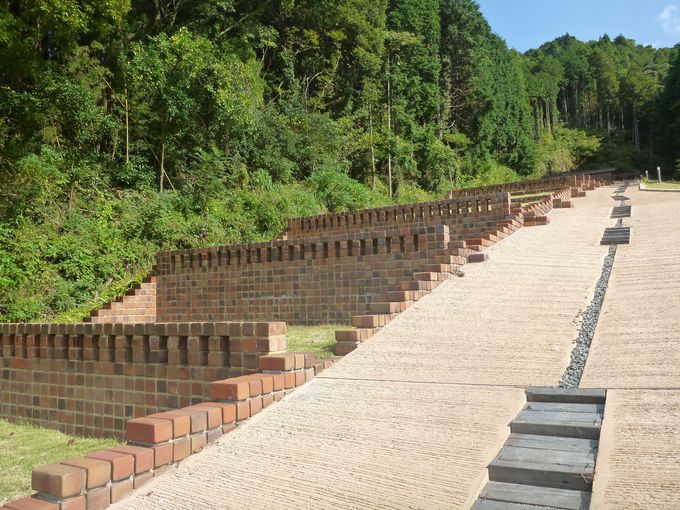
(389, 125)
(127, 129)
(370, 129)
(162, 170)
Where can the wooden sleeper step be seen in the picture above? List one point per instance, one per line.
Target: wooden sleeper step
(541, 497)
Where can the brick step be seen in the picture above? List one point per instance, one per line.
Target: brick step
(447, 260)
(419, 285)
(430, 276)
(354, 335)
(389, 307)
(475, 249)
(405, 295)
(440, 268)
(471, 243)
(371, 321)
(489, 237)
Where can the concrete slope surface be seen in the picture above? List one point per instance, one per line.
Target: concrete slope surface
(412, 418)
(636, 354)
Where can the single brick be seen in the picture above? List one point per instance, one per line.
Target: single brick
(181, 449)
(77, 503)
(121, 489)
(30, 503)
(198, 418)
(149, 430)
(267, 381)
(214, 414)
(97, 472)
(181, 423)
(255, 405)
(198, 441)
(214, 434)
(98, 499)
(283, 362)
(58, 480)
(242, 410)
(162, 454)
(235, 388)
(143, 456)
(141, 479)
(227, 409)
(122, 464)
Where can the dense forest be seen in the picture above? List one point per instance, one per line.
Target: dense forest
(128, 126)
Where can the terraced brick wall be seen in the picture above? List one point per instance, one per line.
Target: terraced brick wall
(464, 217)
(312, 281)
(535, 185)
(89, 378)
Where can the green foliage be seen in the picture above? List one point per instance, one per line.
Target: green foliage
(131, 127)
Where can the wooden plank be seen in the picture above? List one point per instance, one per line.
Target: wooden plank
(502, 505)
(564, 429)
(564, 444)
(559, 406)
(566, 395)
(558, 416)
(538, 496)
(551, 459)
(562, 477)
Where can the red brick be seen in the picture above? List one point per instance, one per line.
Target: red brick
(143, 456)
(242, 410)
(181, 423)
(214, 414)
(58, 480)
(121, 489)
(267, 382)
(255, 405)
(149, 430)
(277, 362)
(97, 472)
(213, 434)
(141, 479)
(77, 503)
(98, 499)
(122, 464)
(235, 388)
(227, 409)
(162, 454)
(31, 504)
(278, 381)
(198, 441)
(299, 378)
(198, 418)
(181, 449)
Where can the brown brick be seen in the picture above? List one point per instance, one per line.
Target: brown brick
(213, 434)
(77, 503)
(149, 430)
(255, 405)
(58, 480)
(242, 410)
(122, 464)
(198, 419)
(97, 472)
(235, 388)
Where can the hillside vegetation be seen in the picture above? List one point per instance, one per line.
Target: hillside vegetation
(128, 127)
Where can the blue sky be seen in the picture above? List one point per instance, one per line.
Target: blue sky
(526, 24)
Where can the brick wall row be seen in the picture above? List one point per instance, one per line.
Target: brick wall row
(464, 217)
(533, 185)
(306, 282)
(88, 378)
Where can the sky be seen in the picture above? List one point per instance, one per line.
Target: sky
(526, 24)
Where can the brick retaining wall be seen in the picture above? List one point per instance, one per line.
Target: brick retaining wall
(89, 378)
(303, 282)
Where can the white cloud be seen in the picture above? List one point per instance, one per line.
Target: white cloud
(670, 20)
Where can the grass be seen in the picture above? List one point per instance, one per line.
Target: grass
(24, 446)
(317, 339)
(661, 185)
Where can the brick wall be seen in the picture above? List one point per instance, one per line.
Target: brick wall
(305, 282)
(465, 217)
(534, 185)
(137, 305)
(89, 378)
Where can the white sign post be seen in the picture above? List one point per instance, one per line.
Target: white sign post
(647, 174)
(658, 171)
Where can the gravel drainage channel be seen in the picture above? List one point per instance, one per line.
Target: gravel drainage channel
(572, 375)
